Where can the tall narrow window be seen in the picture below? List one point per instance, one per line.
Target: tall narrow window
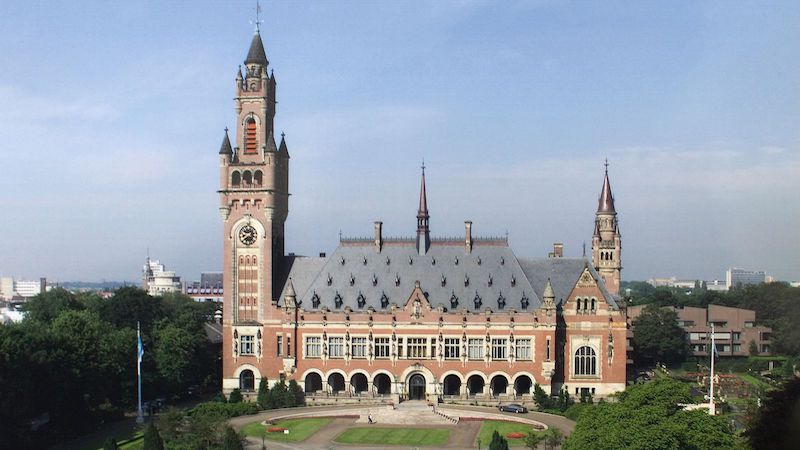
(585, 361)
(548, 348)
(280, 345)
(250, 143)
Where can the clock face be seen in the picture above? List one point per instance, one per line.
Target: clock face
(248, 235)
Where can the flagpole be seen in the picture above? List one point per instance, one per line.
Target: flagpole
(139, 351)
(712, 409)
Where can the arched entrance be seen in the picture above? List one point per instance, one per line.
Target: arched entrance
(475, 385)
(247, 381)
(336, 382)
(382, 384)
(313, 382)
(358, 382)
(522, 385)
(416, 387)
(499, 385)
(452, 385)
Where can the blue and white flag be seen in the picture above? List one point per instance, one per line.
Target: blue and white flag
(140, 350)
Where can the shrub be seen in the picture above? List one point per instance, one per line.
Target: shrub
(263, 394)
(232, 441)
(224, 410)
(110, 444)
(152, 440)
(235, 397)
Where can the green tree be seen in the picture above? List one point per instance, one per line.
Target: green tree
(175, 352)
(48, 305)
(650, 416)
(110, 444)
(152, 439)
(657, 336)
(775, 425)
(297, 394)
(541, 398)
(553, 438)
(498, 442)
(235, 396)
(279, 396)
(532, 440)
(753, 348)
(232, 441)
(263, 394)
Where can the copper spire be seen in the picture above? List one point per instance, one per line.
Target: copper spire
(606, 202)
(423, 232)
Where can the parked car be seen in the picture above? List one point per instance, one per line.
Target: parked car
(514, 408)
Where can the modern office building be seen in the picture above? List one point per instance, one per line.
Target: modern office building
(157, 281)
(742, 277)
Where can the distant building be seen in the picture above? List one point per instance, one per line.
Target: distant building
(30, 288)
(716, 285)
(157, 281)
(6, 288)
(11, 312)
(208, 289)
(741, 277)
(734, 329)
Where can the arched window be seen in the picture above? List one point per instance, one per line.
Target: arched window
(250, 142)
(585, 361)
(258, 178)
(247, 381)
(247, 178)
(236, 178)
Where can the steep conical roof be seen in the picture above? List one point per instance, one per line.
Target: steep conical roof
(423, 198)
(606, 202)
(256, 55)
(548, 291)
(225, 148)
(282, 148)
(271, 147)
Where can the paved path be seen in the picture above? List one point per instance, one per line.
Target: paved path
(462, 435)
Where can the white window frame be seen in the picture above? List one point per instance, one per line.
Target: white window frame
(499, 349)
(358, 347)
(337, 343)
(247, 345)
(313, 347)
(452, 348)
(475, 349)
(523, 349)
(383, 347)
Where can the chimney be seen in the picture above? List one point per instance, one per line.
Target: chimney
(558, 251)
(468, 236)
(378, 236)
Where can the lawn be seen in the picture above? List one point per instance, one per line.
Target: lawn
(502, 427)
(750, 379)
(299, 429)
(395, 436)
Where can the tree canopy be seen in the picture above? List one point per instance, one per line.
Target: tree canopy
(649, 416)
(657, 336)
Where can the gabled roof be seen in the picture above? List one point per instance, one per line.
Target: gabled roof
(256, 54)
(563, 274)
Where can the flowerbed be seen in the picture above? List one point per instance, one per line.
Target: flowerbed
(276, 430)
(515, 435)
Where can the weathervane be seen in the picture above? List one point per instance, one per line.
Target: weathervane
(258, 20)
(606, 164)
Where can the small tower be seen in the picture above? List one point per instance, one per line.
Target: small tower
(423, 231)
(607, 240)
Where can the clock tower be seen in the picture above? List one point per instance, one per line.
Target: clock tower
(254, 197)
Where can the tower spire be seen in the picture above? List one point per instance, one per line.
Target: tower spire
(423, 231)
(606, 201)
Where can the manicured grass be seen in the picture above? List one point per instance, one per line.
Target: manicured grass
(299, 429)
(489, 426)
(394, 436)
(753, 380)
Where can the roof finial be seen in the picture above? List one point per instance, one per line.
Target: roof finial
(258, 20)
(584, 249)
(423, 166)
(606, 164)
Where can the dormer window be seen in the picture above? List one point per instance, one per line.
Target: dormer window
(361, 300)
(315, 300)
(456, 260)
(444, 281)
(337, 300)
(410, 261)
(374, 280)
(396, 280)
(490, 280)
(388, 260)
(364, 261)
(352, 280)
(524, 302)
(479, 260)
(384, 300)
(466, 280)
(513, 280)
(341, 260)
(433, 261)
(453, 300)
(330, 280)
(502, 261)
(250, 141)
(478, 301)
(501, 301)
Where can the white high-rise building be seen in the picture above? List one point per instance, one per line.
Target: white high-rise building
(157, 281)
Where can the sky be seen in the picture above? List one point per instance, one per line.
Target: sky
(112, 114)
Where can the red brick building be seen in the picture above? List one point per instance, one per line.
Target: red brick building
(407, 318)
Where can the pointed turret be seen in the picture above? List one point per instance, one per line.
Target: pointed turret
(283, 149)
(423, 231)
(606, 202)
(256, 54)
(271, 147)
(225, 148)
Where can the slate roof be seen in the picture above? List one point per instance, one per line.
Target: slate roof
(256, 54)
(318, 281)
(606, 201)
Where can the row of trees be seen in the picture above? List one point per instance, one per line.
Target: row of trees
(71, 363)
(775, 305)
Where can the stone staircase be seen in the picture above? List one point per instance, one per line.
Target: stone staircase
(413, 412)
